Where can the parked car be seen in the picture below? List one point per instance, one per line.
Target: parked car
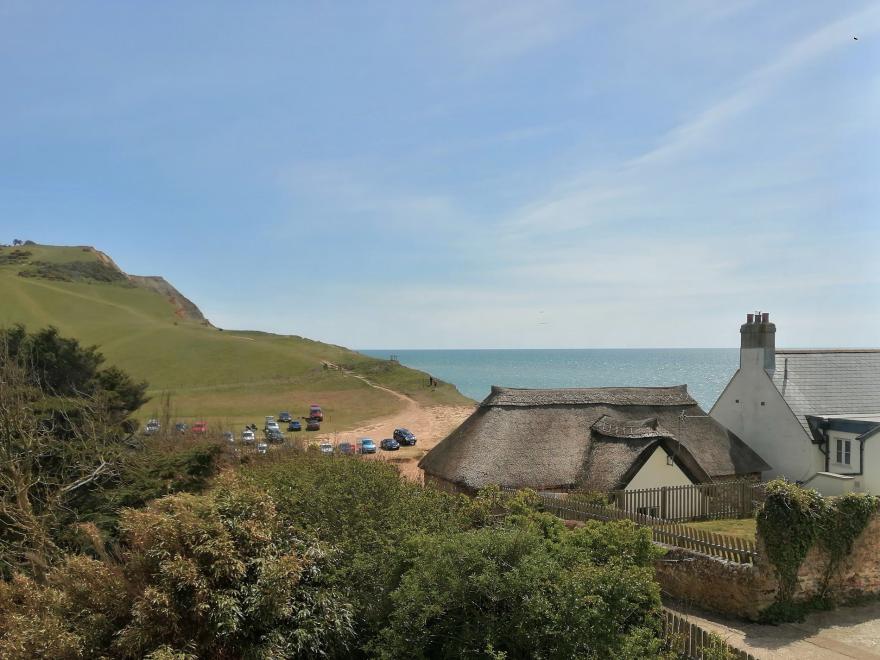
(295, 426)
(229, 436)
(180, 427)
(326, 448)
(367, 446)
(263, 448)
(405, 437)
(346, 448)
(284, 417)
(248, 437)
(200, 427)
(274, 435)
(313, 425)
(389, 444)
(315, 412)
(271, 426)
(152, 427)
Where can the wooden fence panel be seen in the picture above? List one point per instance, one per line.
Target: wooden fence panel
(690, 640)
(734, 499)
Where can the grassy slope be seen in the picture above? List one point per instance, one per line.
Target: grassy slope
(214, 374)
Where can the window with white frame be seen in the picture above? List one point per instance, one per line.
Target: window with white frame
(843, 451)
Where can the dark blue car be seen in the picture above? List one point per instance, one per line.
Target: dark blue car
(389, 444)
(405, 437)
(295, 426)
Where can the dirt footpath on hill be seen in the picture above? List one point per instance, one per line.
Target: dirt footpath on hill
(429, 423)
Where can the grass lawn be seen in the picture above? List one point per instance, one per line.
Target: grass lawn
(744, 528)
(212, 374)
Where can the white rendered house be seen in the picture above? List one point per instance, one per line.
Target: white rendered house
(780, 402)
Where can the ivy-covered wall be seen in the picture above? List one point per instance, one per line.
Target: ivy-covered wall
(813, 552)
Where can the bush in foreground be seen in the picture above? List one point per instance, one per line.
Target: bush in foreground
(512, 592)
(220, 575)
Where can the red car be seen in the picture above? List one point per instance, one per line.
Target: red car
(315, 412)
(200, 427)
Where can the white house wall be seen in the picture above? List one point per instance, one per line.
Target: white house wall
(754, 410)
(656, 472)
(870, 479)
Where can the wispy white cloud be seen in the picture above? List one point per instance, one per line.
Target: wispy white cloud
(347, 190)
(495, 30)
(597, 196)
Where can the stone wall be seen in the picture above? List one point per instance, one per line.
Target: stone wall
(744, 590)
(741, 590)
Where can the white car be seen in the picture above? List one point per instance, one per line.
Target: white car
(326, 448)
(262, 448)
(248, 437)
(272, 426)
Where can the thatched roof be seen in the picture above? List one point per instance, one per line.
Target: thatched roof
(593, 438)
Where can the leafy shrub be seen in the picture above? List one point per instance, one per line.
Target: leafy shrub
(515, 592)
(74, 271)
(431, 574)
(224, 575)
(14, 257)
(363, 508)
(211, 576)
(74, 614)
(153, 470)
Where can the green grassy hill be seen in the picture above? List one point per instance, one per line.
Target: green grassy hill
(155, 334)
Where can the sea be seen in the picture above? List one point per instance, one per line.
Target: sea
(705, 371)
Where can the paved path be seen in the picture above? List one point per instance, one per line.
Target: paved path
(847, 632)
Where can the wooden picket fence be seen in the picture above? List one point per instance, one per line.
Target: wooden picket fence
(732, 499)
(691, 642)
(723, 546)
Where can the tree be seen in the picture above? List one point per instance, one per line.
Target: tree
(512, 591)
(16, 242)
(63, 427)
(60, 366)
(45, 460)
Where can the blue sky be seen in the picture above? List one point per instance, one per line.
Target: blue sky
(461, 174)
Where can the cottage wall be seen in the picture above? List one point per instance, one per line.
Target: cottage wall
(870, 479)
(754, 410)
(657, 472)
(743, 590)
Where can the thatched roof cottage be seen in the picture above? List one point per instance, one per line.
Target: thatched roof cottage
(589, 438)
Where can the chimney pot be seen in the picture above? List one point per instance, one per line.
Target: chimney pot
(758, 333)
